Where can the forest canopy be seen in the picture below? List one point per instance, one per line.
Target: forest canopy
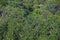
(29, 19)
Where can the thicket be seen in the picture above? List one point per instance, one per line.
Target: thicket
(29, 19)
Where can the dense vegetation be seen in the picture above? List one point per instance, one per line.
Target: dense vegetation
(29, 19)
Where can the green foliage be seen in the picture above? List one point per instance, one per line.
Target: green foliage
(29, 20)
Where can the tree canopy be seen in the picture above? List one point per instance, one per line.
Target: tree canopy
(29, 19)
